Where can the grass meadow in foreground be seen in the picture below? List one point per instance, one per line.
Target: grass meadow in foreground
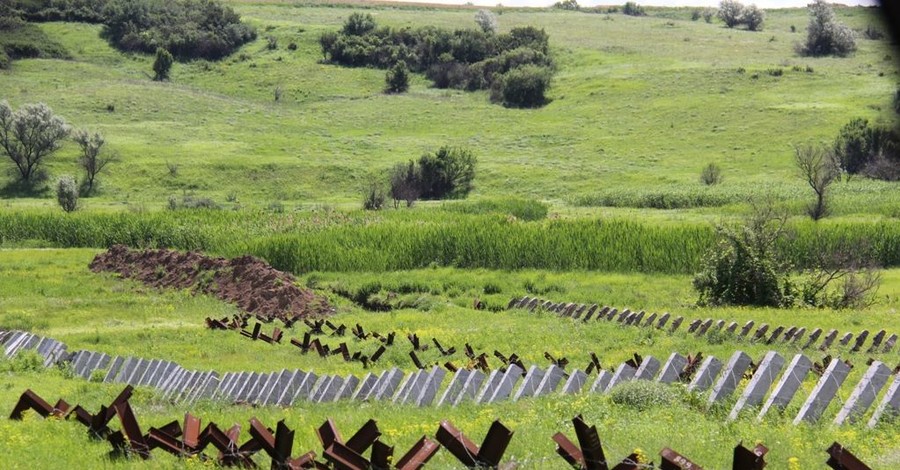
(51, 292)
(683, 424)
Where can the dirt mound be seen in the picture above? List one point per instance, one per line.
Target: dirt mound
(248, 282)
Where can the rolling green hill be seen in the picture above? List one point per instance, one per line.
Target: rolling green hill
(639, 105)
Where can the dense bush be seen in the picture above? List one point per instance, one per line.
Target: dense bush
(21, 40)
(733, 14)
(525, 86)
(744, 267)
(188, 29)
(825, 35)
(567, 5)
(753, 17)
(860, 147)
(633, 9)
(487, 21)
(466, 59)
(397, 78)
(730, 12)
(67, 193)
(447, 173)
(162, 65)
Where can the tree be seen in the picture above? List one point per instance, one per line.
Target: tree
(67, 193)
(29, 135)
(825, 35)
(731, 12)
(817, 166)
(753, 17)
(743, 268)
(447, 173)
(162, 65)
(93, 159)
(487, 21)
(397, 78)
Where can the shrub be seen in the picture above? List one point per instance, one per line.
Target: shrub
(29, 135)
(643, 394)
(487, 21)
(397, 78)
(711, 175)
(358, 24)
(405, 181)
(67, 193)
(271, 43)
(162, 65)
(825, 35)
(525, 86)
(753, 17)
(696, 14)
(567, 5)
(743, 267)
(731, 12)
(858, 145)
(873, 33)
(373, 196)
(633, 9)
(447, 173)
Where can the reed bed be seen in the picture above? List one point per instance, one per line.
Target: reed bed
(396, 240)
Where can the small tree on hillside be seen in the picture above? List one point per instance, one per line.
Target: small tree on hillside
(731, 12)
(487, 21)
(93, 159)
(817, 167)
(825, 35)
(162, 65)
(29, 135)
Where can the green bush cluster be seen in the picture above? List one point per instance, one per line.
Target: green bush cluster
(21, 40)
(467, 59)
(189, 29)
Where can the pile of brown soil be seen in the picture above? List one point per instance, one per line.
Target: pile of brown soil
(248, 282)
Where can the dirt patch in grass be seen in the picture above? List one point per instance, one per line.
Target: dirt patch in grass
(246, 281)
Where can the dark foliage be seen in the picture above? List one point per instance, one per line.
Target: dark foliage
(21, 40)
(397, 78)
(633, 9)
(188, 29)
(860, 147)
(466, 59)
(447, 173)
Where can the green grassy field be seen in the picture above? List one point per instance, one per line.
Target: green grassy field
(44, 292)
(606, 208)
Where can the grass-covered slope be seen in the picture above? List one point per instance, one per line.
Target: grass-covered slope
(639, 106)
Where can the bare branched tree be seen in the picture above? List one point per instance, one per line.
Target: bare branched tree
(93, 158)
(817, 166)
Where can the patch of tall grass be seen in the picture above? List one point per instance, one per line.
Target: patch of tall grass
(301, 242)
(524, 209)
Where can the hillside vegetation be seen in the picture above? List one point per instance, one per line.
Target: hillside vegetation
(638, 107)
